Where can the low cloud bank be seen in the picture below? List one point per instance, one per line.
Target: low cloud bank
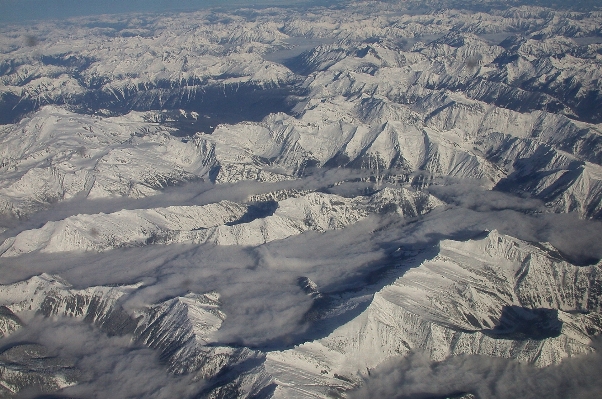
(265, 306)
(474, 208)
(107, 367)
(416, 377)
(258, 285)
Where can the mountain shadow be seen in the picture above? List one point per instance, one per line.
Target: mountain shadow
(521, 323)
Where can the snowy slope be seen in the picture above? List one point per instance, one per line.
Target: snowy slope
(223, 223)
(497, 296)
(471, 298)
(245, 196)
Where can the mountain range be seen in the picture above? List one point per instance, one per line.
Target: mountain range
(282, 201)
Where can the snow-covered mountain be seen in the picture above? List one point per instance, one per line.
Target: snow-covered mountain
(275, 202)
(495, 296)
(223, 223)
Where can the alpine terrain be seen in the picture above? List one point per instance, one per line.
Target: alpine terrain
(300, 201)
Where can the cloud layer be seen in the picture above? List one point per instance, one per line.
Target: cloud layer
(416, 377)
(109, 367)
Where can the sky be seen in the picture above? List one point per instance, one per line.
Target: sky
(23, 10)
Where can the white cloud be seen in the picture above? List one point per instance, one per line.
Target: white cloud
(416, 377)
(109, 367)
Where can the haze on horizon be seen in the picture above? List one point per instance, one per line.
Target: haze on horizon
(28, 10)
